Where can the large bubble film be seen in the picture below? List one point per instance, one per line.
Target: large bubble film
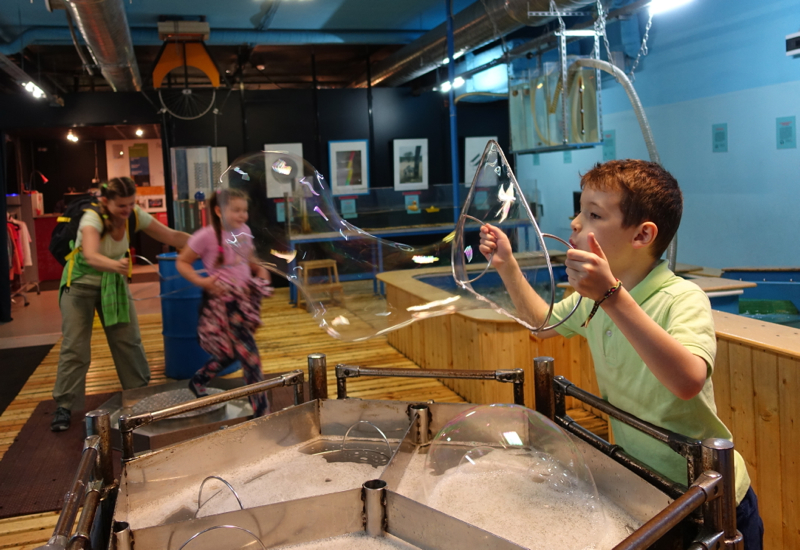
(496, 198)
(512, 471)
(297, 232)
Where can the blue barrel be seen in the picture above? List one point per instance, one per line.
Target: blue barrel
(180, 309)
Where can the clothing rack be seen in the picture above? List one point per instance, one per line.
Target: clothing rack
(19, 211)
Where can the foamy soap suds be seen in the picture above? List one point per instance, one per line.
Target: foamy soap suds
(499, 496)
(288, 475)
(353, 541)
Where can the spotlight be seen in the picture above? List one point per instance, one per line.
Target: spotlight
(72, 137)
(35, 90)
(659, 6)
(445, 87)
(139, 132)
(458, 82)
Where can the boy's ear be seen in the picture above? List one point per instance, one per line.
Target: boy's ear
(645, 235)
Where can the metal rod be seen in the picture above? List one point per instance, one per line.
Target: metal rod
(544, 396)
(677, 442)
(129, 423)
(80, 539)
(74, 497)
(671, 488)
(706, 487)
(318, 376)
(718, 456)
(374, 494)
(98, 422)
(451, 107)
(515, 376)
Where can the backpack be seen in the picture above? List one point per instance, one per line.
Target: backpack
(65, 233)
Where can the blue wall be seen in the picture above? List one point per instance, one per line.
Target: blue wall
(710, 62)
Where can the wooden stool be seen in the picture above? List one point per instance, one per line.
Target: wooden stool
(331, 287)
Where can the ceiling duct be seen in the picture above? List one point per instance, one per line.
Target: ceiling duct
(474, 26)
(104, 27)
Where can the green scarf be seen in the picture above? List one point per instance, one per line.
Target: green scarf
(113, 290)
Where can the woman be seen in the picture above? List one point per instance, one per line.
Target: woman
(94, 278)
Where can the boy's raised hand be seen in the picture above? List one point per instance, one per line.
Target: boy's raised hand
(589, 272)
(495, 242)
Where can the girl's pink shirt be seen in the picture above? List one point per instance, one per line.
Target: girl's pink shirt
(237, 247)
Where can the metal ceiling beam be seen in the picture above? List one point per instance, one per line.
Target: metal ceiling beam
(477, 25)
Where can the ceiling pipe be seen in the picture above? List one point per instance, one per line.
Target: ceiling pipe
(222, 37)
(104, 27)
(476, 25)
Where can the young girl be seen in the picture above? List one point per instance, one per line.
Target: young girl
(94, 278)
(232, 292)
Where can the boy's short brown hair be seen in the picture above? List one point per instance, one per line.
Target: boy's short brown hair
(649, 193)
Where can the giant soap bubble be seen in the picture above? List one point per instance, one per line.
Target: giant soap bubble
(512, 471)
(297, 232)
(496, 198)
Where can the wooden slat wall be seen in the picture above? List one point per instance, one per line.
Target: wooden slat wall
(757, 397)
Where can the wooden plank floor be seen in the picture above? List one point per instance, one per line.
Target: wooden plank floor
(288, 335)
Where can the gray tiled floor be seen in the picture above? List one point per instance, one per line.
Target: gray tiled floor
(39, 323)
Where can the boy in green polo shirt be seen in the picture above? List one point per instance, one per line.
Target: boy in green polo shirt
(650, 332)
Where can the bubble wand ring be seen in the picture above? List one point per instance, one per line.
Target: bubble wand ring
(489, 259)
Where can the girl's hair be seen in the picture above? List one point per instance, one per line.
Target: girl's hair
(114, 189)
(221, 198)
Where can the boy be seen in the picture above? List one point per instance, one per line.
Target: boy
(650, 332)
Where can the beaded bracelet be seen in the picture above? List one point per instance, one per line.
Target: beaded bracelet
(610, 292)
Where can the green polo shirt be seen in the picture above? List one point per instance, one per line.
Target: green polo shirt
(684, 311)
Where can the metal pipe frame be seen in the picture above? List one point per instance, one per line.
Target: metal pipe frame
(317, 376)
(720, 516)
(98, 422)
(689, 448)
(75, 496)
(374, 496)
(707, 487)
(514, 376)
(81, 539)
(128, 423)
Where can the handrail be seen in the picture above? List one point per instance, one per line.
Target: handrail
(128, 423)
(514, 376)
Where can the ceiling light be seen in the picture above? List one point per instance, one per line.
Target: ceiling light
(458, 82)
(139, 132)
(658, 6)
(35, 90)
(445, 87)
(260, 67)
(72, 137)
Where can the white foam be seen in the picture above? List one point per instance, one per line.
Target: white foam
(518, 507)
(288, 475)
(353, 541)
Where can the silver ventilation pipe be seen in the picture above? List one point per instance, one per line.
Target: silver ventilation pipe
(104, 27)
(474, 26)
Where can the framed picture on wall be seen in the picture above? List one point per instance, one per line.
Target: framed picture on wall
(349, 167)
(277, 183)
(473, 150)
(410, 164)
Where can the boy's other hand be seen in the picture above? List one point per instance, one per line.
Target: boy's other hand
(494, 241)
(589, 272)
